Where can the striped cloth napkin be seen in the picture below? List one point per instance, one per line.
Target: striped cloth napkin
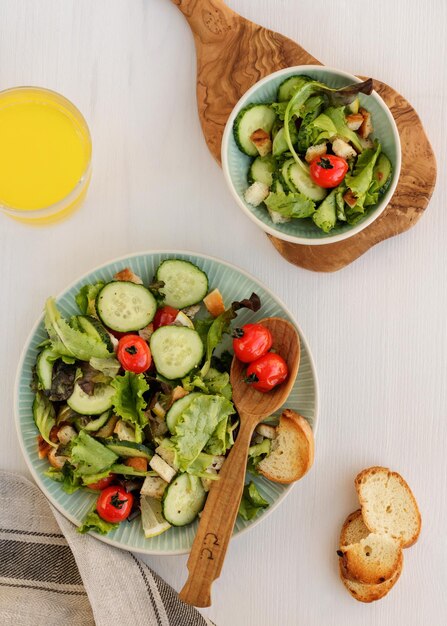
(50, 574)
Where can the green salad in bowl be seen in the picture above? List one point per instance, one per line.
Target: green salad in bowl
(124, 402)
(311, 154)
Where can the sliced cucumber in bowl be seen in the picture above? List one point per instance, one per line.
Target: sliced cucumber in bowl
(183, 500)
(176, 350)
(184, 283)
(124, 306)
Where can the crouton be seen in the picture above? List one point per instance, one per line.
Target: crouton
(350, 198)
(277, 218)
(266, 431)
(164, 470)
(367, 127)
(154, 487)
(146, 332)
(43, 447)
(214, 303)
(342, 149)
(66, 434)
(127, 275)
(137, 463)
(57, 461)
(314, 152)
(354, 121)
(262, 141)
(256, 193)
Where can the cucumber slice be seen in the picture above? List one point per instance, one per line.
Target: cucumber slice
(44, 367)
(288, 87)
(152, 518)
(261, 170)
(184, 283)
(382, 171)
(285, 175)
(128, 449)
(176, 350)
(177, 409)
(44, 416)
(249, 119)
(124, 306)
(304, 183)
(99, 422)
(95, 329)
(183, 500)
(354, 106)
(97, 403)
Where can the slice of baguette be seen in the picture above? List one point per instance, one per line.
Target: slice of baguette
(292, 452)
(388, 505)
(372, 560)
(353, 531)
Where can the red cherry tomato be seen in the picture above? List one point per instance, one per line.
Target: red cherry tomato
(134, 354)
(114, 504)
(102, 483)
(164, 316)
(251, 341)
(328, 170)
(267, 372)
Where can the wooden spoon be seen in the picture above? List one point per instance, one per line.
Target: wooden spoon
(234, 53)
(219, 515)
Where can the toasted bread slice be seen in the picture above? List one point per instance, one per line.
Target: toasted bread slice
(292, 453)
(369, 593)
(353, 531)
(388, 505)
(372, 560)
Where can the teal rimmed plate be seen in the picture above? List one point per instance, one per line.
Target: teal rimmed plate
(234, 284)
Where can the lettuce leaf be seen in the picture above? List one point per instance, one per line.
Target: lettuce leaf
(86, 298)
(360, 180)
(337, 117)
(196, 425)
(128, 401)
(213, 383)
(89, 456)
(325, 217)
(96, 524)
(200, 465)
(256, 453)
(68, 341)
(290, 204)
(217, 443)
(222, 324)
(110, 366)
(252, 502)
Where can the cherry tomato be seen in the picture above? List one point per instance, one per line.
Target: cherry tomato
(328, 170)
(267, 372)
(164, 316)
(251, 341)
(134, 354)
(114, 504)
(102, 483)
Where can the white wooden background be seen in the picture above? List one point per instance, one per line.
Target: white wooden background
(377, 329)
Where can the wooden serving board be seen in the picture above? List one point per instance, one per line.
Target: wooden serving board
(234, 53)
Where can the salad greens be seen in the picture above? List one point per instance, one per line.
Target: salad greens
(252, 502)
(311, 121)
(164, 437)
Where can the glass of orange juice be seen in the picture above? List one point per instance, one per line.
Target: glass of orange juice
(45, 155)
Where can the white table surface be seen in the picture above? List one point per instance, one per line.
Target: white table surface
(377, 329)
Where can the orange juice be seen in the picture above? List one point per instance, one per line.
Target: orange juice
(45, 155)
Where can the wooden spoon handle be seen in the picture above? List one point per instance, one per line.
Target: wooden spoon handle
(217, 522)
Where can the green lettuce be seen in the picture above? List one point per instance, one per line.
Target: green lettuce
(213, 383)
(217, 443)
(325, 217)
(200, 465)
(222, 324)
(70, 342)
(128, 401)
(96, 524)
(89, 456)
(337, 115)
(256, 453)
(86, 298)
(109, 367)
(290, 204)
(196, 425)
(360, 180)
(252, 502)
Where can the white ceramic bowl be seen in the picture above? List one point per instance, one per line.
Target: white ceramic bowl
(235, 164)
